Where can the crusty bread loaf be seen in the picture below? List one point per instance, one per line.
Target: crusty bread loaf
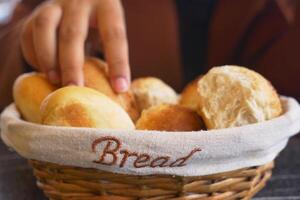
(167, 117)
(29, 91)
(150, 91)
(189, 96)
(95, 74)
(234, 96)
(83, 107)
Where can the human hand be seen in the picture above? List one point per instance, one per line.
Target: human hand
(54, 35)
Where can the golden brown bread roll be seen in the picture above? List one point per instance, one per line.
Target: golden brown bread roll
(150, 91)
(83, 107)
(29, 91)
(189, 96)
(95, 74)
(234, 96)
(167, 117)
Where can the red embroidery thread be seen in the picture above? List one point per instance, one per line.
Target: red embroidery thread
(126, 155)
(113, 146)
(107, 150)
(141, 159)
(165, 160)
(184, 159)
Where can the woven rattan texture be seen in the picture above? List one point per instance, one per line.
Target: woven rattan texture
(74, 183)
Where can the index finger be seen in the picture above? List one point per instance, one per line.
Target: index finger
(72, 35)
(112, 31)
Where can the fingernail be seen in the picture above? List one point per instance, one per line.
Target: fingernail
(71, 83)
(121, 84)
(74, 83)
(53, 77)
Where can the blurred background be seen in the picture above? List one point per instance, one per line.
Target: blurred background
(176, 40)
(6, 9)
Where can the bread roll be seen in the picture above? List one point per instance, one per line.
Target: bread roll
(234, 96)
(167, 117)
(150, 91)
(83, 107)
(95, 74)
(29, 91)
(189, 96)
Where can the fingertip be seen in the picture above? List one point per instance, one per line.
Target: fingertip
(73, 83)
(73, 80)
(53, 77)
(120, 84)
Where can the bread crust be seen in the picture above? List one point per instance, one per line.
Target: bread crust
(150, 91)
(189, 96)
(167, 117)
(29, 90)
(96, 77)
(231, 96)
(83, 107)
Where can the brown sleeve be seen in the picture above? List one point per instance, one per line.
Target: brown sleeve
(32, 3)
(12, 63)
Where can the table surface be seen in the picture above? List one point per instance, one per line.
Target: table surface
(18, 183)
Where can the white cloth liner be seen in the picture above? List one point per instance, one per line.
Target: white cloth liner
(221, 150)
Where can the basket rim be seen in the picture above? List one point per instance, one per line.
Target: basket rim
(217, 150)
(287, 103)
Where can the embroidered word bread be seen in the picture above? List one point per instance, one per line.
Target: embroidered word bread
(232, 96)
(189, 96)
(29, 91)
(95, 74)
(166, 117)
(83, 107)
(150, 91)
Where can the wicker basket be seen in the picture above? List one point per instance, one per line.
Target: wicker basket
(74, 183)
